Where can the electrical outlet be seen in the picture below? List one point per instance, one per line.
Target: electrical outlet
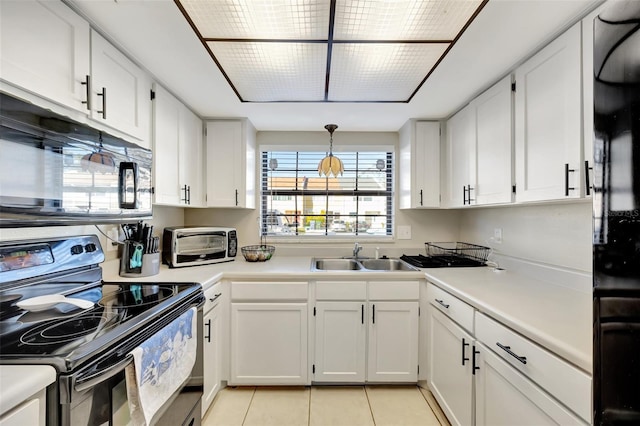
(497, 235)
(404, 232)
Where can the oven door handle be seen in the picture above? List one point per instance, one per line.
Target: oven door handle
(83, 383)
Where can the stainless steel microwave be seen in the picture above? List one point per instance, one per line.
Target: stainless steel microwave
(56, 171)
(189, 246)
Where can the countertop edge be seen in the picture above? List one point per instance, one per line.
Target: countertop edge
(19, 382)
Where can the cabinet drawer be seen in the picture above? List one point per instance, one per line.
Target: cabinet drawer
(341, 290)
(269, 290)
(394, 290)
(562, 380)
(212, 296)
(451, 306)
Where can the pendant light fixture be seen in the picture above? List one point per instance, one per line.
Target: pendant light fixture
(99, 161)
(330, 164)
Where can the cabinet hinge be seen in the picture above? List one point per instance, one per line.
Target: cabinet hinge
(314, 311)
(418, 311)
(153, 95)
(513, 86)
(513, 189)
(313, 369)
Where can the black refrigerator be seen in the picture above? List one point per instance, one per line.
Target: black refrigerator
(616, 215)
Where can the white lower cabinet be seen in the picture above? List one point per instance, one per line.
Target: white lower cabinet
(341, 335)
(212, 339)
(359, 338)
(506, 397)
(450, 367)
(268, 344)
(393, 342)
(31, 412)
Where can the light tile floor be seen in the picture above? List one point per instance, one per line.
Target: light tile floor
(324, 406)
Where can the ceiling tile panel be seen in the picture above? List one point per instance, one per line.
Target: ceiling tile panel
(402, 20)
(263, 72)
(380, 72)
(252, 19)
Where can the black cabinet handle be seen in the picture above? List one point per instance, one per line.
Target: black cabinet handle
(464, 195)
(464, 345)
(236, 197)
(184, 189)
(362, 316)
(474, 366)
(104, 103)
(374, 313)
(213, 299)
(208, 336)
(441, 303)
(189, 194)
(567, 188)
(507, 349)
(421, 197)
(469, 199)
(87, 83)
(587, 181)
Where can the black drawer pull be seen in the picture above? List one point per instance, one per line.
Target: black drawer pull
(441, 302)
(507, 349)
(208, 335)
(586, 177)
(567, 188)
(464, 344)
(474, 365)
(215, 296)
(362, 313)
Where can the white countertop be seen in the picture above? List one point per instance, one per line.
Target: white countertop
(19, 382)
(556, 317)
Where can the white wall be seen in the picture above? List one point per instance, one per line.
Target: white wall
(162, 216)
(556, 234)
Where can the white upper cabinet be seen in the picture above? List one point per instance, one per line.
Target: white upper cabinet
(178, 146)
(231, 163)
(419, 165)
(44, 48)
(548, 126)
(120, 90)
(493, 145)
(479, 150)
(460, 158)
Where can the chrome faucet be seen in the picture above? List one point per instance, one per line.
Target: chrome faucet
(356, 250)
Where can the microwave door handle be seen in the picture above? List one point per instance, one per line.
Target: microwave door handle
(124, 168)
(83, 383)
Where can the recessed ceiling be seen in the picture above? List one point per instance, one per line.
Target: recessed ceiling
(328, 50)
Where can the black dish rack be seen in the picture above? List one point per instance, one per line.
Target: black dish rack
(458, 250)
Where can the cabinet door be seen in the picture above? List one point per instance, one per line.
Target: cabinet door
(393, 342)
(450, 367)
(269, 344)
(461, 140)
(506, 397)
(211, 357)
(494, 145)
(548, 113)
(27, 413)
(166, 124)
(340, 342)
(121, 90)
(226, 163)
(190, 158)
(419, 165)
(45, 50)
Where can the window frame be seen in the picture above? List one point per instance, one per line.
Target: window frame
(388, 192)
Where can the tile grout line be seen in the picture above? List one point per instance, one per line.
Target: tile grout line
(370, 408)
(246, 413)
(436, 415)
(309, 416)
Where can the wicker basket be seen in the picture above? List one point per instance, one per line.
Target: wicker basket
(260, 253)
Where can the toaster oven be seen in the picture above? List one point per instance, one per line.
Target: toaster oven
(190, 246)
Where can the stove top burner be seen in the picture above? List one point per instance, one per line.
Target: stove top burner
(422, 261)
(66, 330)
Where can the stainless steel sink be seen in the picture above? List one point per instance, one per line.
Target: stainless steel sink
(364, 265)
(387, 265)
(335, 265)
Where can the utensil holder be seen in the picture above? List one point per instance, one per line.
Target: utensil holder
(150, 263)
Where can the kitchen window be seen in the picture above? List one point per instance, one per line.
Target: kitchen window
(297, 202)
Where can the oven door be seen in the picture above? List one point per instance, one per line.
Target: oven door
(200, 246)
(97, 394)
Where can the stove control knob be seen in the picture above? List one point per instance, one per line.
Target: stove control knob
(78, 249)
(90, 248)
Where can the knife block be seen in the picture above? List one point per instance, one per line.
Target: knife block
(150, 263)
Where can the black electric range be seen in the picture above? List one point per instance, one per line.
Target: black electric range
(421, 261)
